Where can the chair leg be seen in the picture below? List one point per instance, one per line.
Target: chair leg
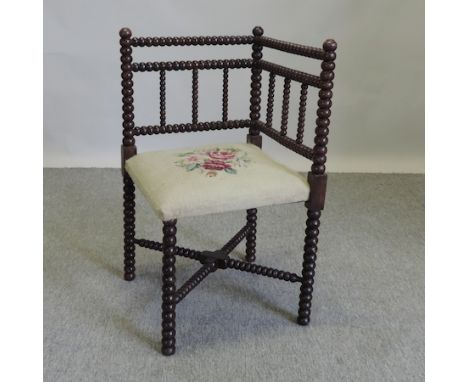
(308, 266)
(169, 288)
(251, 236)
(129, 228)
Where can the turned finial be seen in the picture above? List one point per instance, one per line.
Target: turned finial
(125, 33)
(257, 31)
(329, 45)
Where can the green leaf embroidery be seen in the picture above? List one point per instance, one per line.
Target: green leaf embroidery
(230, 170)
(185, 154)
(192, 166)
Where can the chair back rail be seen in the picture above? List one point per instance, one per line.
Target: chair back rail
(291, 74)
(191, 127)
(190, 65)
(289, 47)
(190, 40)
(324, 82)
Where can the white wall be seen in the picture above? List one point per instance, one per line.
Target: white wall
(377, 116)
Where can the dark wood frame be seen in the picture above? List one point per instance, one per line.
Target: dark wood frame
(317, 178)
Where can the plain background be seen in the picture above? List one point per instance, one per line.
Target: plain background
(378, 111)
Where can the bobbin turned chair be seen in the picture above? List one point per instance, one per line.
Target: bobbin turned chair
(256, 179)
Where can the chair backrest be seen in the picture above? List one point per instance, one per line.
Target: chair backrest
(256, 64)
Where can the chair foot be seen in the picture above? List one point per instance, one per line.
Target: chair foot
(304, 321)
(169, 288)
(168, 349)
(129, 228)
(308, 266)
(251, 236)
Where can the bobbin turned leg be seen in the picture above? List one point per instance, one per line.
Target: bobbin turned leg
(169, 288)
(254, 136)
(128, 150)
(317, 177)
(129, 228)
(251, 235)
(308, 266)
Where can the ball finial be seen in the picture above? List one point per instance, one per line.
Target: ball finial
(125, 33)
(329, 45)
(257, 31)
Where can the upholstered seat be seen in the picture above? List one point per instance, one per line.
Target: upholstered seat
(212, 179)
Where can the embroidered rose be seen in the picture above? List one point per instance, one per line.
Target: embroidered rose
(216, 165)
(213, 161)
(222, 155)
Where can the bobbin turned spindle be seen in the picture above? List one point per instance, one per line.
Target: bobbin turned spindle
(254, 136)
(302, 111)
(169, 288)
(317, 180)
(194, 95)
(270, 100)
(285, 109)
(255, 90)
(251, 235)
(127, 151)
(162, 98)
(225, 93)
(324, 106)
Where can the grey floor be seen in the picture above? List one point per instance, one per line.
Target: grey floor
(368, 309)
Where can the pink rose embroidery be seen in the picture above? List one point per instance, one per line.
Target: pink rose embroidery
(213, 161)
(222, 155)
(215, 165)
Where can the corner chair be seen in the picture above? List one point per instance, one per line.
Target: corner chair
(224, 177)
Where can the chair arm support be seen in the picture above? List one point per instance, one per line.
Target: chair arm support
(255, 140)
(318, 190)
(126, 152)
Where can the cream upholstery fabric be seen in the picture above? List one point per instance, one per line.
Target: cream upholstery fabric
(211, 179)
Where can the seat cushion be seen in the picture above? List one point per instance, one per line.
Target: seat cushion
(212, 179)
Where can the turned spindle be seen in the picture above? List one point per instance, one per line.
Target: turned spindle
(225, 93)
(302, 111)
(317, 180)
(195, 96)
(128, 150)
(169, 288)
(308, 266)
(251, 235)
(255, 90)
(162, 98)
(270, 100)
(285, 108)
(324, 108)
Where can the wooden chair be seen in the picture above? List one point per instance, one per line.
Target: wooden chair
(165, 177)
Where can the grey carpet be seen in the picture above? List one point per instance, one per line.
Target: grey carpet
(368, 308)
